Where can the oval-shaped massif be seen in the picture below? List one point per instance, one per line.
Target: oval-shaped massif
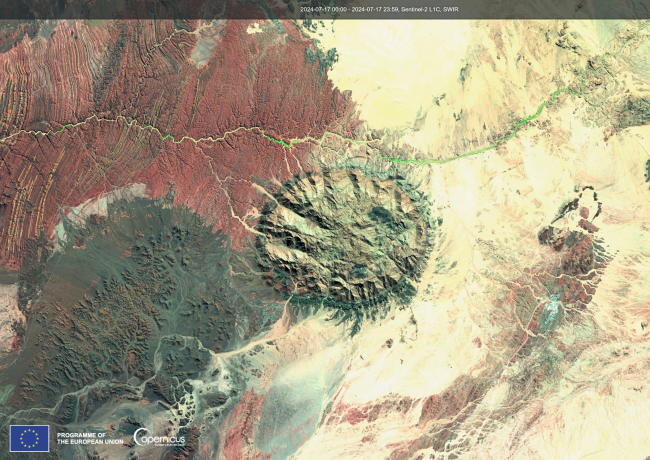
(343, 236)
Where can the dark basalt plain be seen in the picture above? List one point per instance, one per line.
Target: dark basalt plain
(344, 236)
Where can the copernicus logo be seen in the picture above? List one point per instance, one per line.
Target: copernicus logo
(29, 438)
(140, 437)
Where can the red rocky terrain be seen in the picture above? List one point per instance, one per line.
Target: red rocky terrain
(88, 109)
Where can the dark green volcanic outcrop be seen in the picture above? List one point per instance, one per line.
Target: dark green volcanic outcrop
(344, 236)
(126, 283)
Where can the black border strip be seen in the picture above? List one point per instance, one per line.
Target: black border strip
(323, 9)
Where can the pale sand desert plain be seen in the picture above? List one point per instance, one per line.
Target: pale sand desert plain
(512, 348)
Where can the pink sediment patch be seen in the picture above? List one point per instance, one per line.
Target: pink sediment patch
(241, 423)
(10, 315)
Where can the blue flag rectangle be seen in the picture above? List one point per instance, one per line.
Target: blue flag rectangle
(29, 438)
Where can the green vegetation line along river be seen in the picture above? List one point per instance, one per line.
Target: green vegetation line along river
(327, 133)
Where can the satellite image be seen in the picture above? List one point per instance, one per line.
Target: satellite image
(260, 230)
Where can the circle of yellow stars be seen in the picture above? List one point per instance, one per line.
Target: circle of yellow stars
(29, 446)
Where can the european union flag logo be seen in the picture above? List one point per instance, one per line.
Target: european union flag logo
(29, 438)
